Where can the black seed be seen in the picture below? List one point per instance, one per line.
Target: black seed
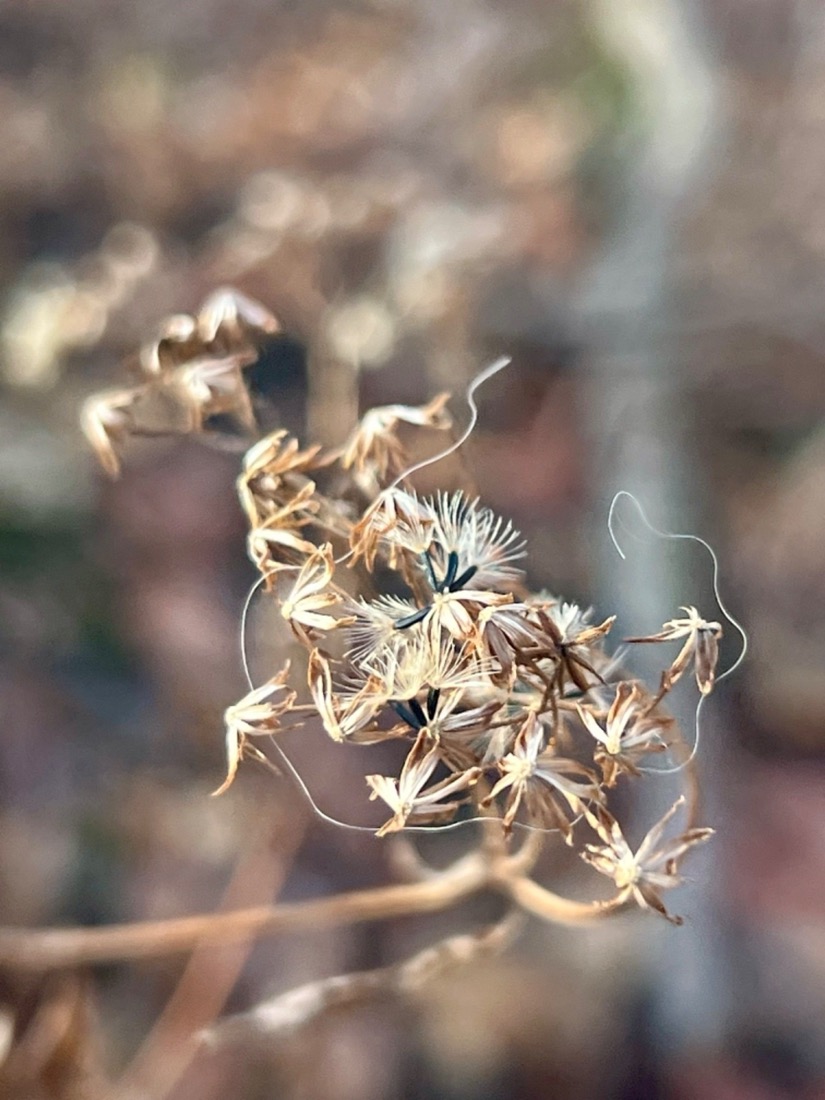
(467, 575)
(452, 569)
(407, 715)
(429, 563)
(418, 711)
(411, 620)
(433, 696)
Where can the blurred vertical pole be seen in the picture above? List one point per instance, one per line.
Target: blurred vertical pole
(332, 400)
(636, 413)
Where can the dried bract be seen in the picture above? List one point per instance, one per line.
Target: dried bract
(629, 733)
(258, 714)
(654, 865)
(106, 419)
(701, 644)
(234, 318)
(408, 797)
(374, 449)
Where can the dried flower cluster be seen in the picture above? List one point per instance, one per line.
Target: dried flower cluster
(508, 702)
(192, 370)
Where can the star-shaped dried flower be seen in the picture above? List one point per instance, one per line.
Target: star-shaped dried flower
(374, 447)
(106, 419)
(212, 387)
(461, 733)
(261, 486)
(280, 529)
(346, 714)
(628, 734)
(701, 644)
(536, 776)
(177, 342)
(258, 714)
(232, 318)
(310, 595)
(573, 637)
(397, 518)
(407, 796)
(653, 867)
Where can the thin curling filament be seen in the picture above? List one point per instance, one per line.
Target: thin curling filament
(612, 519)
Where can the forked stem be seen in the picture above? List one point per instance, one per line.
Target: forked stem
(58, 948)
(537, 900)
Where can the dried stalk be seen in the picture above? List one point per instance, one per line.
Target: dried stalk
(291, 1011)
(207, 980)
(56, 948)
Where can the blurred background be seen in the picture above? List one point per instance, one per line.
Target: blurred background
(628, 198)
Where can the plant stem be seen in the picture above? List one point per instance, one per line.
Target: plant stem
(57, 948)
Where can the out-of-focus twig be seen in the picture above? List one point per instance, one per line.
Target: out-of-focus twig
(54, 948)
(297, 1008)
(208, 977)
(535, 899)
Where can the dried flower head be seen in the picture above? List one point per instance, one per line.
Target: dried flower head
(374, 450)
(193, 371)
(417, 625)
(347, 712)
(549, 784)
(106, 419)
(177, 342)
(233, 318)
(213, 387)
(258, 714)
(310, 595)
(654, 865)
(575, 641)
(630, 733)
(409, 798)
(279, 531)
(471, 547)
(701, 644)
